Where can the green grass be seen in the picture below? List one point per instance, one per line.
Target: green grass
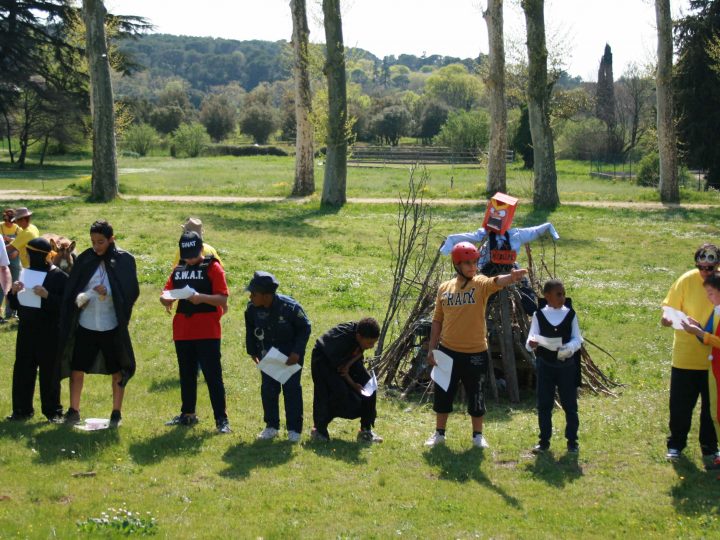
(617, 265)
(273, 176)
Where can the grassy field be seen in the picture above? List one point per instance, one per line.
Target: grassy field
(273, 176)
(617, 265)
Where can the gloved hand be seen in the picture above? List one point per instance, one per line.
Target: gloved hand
(563, 352)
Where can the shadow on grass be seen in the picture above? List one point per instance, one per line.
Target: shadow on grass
(65, 443)
(179, 440)
(348, 452)
(162, 385)
(555, 471)
(244, 457)
(697, 491)
(464, 467)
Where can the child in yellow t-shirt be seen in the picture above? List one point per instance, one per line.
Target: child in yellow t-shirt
(9, 231)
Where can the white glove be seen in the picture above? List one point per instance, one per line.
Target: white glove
(84, 297)
(563, 352)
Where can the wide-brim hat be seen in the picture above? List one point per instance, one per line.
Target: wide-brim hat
(193, 225)
(20, 213)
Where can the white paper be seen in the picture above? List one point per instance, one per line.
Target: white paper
(371, 387)
(549, 343)
(273, 365)
(29, 279)
(93, 424)
(675, 316)
(441, 372)
(179, 294)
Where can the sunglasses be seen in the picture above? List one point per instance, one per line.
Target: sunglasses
(704, 268)
(708, 257)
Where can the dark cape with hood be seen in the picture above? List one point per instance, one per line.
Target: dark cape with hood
(122, 275)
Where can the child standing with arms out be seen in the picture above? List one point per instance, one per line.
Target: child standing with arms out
(556, 368)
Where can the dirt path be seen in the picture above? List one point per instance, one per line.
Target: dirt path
(18, 195)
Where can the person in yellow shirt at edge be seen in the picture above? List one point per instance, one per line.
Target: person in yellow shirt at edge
(28, 232)
(196, 225)
(689, 373)
(458, 330)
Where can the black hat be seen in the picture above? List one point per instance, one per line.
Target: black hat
(262, 282)
(191, 245)
(39, 244)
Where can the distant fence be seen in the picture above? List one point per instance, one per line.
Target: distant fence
(389, 155)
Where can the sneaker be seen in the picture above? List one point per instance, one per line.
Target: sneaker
(18, 417)
(573, 447)
(268, 434)
(540, 448)
(71, 417)
(293, 436)
(435, 439)
(115, 419)
(368, 435)
(316, 435)
(479, 441)
(673, 454)
(223, 426)
(55, 418)
(183, 420)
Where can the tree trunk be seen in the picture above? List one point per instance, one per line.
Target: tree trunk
(545, 193)
(8, 135)
(104, 170)
(496, 180)
(304, 149)
(336, 159)
(667, 147)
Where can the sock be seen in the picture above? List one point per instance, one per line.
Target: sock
(440, 431)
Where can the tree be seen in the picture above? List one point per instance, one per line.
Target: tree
(304, 148)
(218, 116)
(104, 170)
(495, 81)
(391, 123)
(545, 193)
(258, 121)
(605, 93)
(465, 131)
(335, 180)
(522, 140)
(455, 86)
(190, 139)
(140, 139)
(667, 140)
(433, 115)
(633, 98)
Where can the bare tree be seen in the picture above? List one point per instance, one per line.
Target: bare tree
(304, 148)
(634, 95)
(336, 160)
(667, 140)
(104, 170)
(545, 193)
(495, 81)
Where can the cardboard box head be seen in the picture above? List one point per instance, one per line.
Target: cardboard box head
(500, 212)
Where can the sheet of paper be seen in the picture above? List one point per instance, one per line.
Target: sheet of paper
(550, 343)
(93, 424)
(179, 294)
(29, 279)
(441, 372)
(371, 387)
(675, 316)
(273, 365)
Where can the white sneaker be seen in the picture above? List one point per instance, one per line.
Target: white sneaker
(480, 442)
(293, 436)
(267, 434)
(435, 439)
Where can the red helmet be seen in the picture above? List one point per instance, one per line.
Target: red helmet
(464, 251)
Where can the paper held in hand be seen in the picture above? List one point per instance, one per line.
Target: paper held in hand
(549, 343)
(441, 372)
(30, 278)
(675, 316)
(179, 294)
(273, 365)
(371, 386)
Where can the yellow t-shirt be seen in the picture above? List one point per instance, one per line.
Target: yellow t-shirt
(9, 230)
(21, 241)
(207, 250)
(461, 311)
(687, 294)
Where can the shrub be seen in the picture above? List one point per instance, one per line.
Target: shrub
(583, 139)
(259, 122)
(190, 139)
(240, 151)
(140, 139)
(465, 131)
(649, 170)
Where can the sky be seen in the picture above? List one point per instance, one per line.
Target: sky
(577, 30)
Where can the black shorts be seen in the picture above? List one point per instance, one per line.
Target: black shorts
(88, 343)
(472, 370)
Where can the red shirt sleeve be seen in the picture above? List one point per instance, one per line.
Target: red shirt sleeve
(169, 283)
(216, 273)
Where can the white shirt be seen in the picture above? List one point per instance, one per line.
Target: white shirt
(555, 316)
(4, 260)
(99, 313)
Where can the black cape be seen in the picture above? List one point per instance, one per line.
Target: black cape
(122, 274)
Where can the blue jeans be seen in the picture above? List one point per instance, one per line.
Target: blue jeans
(292, 390)
(560, 375)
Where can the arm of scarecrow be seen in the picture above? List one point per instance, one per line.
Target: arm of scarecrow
(453, 239)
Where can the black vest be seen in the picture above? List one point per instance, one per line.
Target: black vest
(196, 276)
(562, 330)
(501, 260)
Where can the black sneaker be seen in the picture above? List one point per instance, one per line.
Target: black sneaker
(115, 418)
(56, 418)
(18, 417)
(573, 447)
(183, 420)
(71, 417)
(540, 448)
(223, 426)
(368, 435)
